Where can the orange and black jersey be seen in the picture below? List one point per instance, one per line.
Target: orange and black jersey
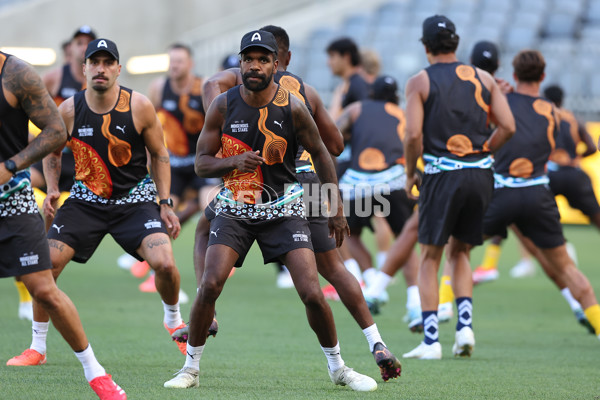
(69, 86)
(13, 122)
(110, 154)
(268, 129)
(358, 89)
(567, 139)
(377, 136)
(526, 153)
(295, 85)
(456, 113)
(182, 118)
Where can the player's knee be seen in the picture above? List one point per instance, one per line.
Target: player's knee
(312, 297)
(165, 267)
(210, 290)
(47, 295)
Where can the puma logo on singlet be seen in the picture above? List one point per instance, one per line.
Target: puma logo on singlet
(279, 123)
(122, 129)
(215, 232)
(58, 228)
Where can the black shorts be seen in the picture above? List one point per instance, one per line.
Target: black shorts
(534, 211)
(313, 204)
(23, 245)
(576, 186)
(82, 225)
(453, 203)
(275, 237)
(185, 177)
(397, 210)
(67, 171)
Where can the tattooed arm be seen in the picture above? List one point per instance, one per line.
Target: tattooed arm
(209, 143)
(146, 122)
(24, 89)
(332, 138)
(308, 134)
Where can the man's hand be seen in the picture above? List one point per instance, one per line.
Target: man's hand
(171, 221)
(5, 174)
(49, 207)
(338, 227)
(248, 161)
(504, 86)
(411, 181)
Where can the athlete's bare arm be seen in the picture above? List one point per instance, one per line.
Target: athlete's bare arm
(209, 144)
(155, 91)
(52, 81)
(147, 123)
(23, 88)
(347, 119)
(53, 164)
(417, 90)
(585, 137)
(218, 83)
(308, 135)
(499, 112)
(331, 136)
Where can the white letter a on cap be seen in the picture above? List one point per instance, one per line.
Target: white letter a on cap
(102, 43)
(256, 36)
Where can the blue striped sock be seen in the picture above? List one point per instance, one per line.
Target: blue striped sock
(464, 306)
(430, 326)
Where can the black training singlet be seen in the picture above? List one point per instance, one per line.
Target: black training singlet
(182, 118)
(358, 89)
(567, 138)
(110, 154)
(13, 122)
(456, 113)
(268, 129)
(526, 153)
(68, 85)
(377, 136)
(295, 85)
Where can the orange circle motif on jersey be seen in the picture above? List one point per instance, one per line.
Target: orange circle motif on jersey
(372, 159)
(459, 145)
(521, 168)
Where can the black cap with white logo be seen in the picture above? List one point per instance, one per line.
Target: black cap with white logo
(433, 26)
(98, 45)
(259, 38)
(485, 56)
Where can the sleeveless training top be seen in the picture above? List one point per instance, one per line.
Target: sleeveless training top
(110, 154)
(456, 113)
(358, 89)
(526, 153)
(182, 118)
(295, 85)
(268, 129)
(377, 136)
(565, 153)
(68, 85)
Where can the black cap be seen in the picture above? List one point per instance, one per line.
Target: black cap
(230, 61)
(384, 88)
(435, 25)
(84, 30)
(102, 45)
(485, 56)
(259, 38)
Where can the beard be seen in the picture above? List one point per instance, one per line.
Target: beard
(261, 85)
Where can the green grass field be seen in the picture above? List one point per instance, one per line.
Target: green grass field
(529, 345)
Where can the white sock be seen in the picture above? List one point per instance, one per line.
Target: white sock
(192, 358)
(172, 315)
(334, 359)
(574, 304)
(381, 257)
(91, 367)
(369, 276)
(39, 331)
(352, 266)
(412, 297)
(373, 336)
(380, 282)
